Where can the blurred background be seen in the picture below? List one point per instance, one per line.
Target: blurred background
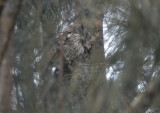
(123, 61)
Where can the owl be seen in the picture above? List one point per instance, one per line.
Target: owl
(71, 44)
(75, 42)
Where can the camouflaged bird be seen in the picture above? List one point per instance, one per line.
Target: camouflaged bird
(75, 43)
(72, 46)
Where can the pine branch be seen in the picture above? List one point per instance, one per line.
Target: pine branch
(145, 100)
(7, 21)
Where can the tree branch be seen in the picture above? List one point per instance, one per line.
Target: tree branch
(7, 21)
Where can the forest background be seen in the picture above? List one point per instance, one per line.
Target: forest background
(115, 71)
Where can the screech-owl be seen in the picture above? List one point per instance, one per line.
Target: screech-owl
(71, 44)
(75, 42)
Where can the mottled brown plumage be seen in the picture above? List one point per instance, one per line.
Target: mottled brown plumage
(75, 42)
(72, 46)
